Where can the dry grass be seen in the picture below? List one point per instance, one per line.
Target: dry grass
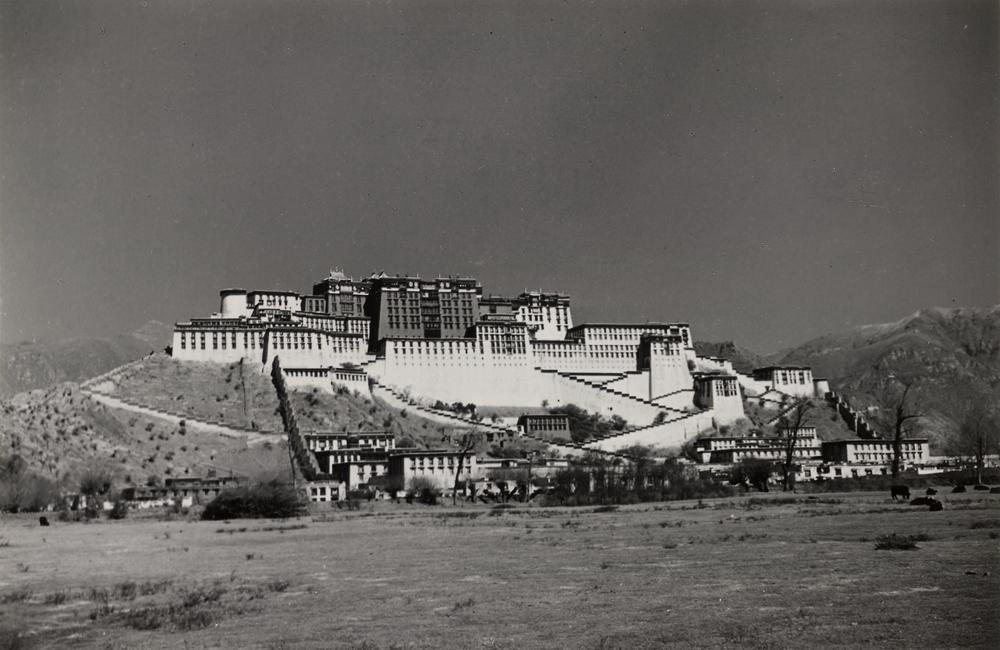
(244, 397)
(61, 432)
(651, 575)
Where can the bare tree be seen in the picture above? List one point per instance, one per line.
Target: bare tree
(977, 435)
(95, 484)
(465, 446)
(902, 410)
(791, 425)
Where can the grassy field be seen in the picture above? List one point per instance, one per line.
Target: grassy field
(767, 572)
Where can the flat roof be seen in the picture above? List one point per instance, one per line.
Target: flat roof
(632, 325)
(427, 452)
(766, 368)
(870, 440)
(347, 434)
(465, 339)
(283, 327)
(311, 314)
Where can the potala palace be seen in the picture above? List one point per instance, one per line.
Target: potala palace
(443, 340)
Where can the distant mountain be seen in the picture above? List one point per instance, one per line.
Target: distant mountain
(32, 365)
(950, 356)
(743, 360)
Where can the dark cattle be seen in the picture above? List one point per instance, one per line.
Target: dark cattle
(958, 489)
(931, 492)
(922, 501)
(43, 521)
(995, 490)
(936, 505)
(981, 487)
(900, 491)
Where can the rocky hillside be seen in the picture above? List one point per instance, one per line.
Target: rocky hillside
(949, 355)
(42, 364)
(240, 395)
(61, 432)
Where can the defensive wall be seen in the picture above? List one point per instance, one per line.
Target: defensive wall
(327, 379)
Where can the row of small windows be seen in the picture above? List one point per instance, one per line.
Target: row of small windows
(548, 425)
(633, 333)
(790, 377)
(251, 340)
(273, 300)
(220, 340)
(726, 388)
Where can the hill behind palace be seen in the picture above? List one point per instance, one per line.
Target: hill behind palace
(951, 356)
(42, 364)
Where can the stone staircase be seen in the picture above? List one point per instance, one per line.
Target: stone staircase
(493, 431)
(437, 415)
(611, 391)
(784, 410)
(304, 458)
(853, 418)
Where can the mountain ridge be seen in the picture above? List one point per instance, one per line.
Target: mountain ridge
(31, 365)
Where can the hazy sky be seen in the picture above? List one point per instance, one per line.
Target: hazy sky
(767, 171)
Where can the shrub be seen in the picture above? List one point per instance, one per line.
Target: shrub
(424, 490)
(896, 542)
(272, 499)
(21, 490)
(118, 510)
(755, 472)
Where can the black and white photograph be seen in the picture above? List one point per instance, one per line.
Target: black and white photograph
(494, 324)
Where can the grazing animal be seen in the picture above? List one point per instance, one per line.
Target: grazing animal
(43, 521)
(958, 489)
(922, 501)
(936, 505)
(981, 487)
(995, 490)
(900, 491)
(931, 492)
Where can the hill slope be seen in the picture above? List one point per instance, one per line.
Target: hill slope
(949, 355)
(240, 395)
(30, 365)
(61, 432)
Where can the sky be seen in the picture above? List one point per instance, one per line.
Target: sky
(768, 171)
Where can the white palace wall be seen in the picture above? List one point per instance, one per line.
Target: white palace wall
(667, 375)
(676, 400)
(326, 380)
(559, 390)
(455, 371)
(311, 348)
(635, 382)
(297, 348)
(218, 345)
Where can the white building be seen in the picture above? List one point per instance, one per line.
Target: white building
(446, 343)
